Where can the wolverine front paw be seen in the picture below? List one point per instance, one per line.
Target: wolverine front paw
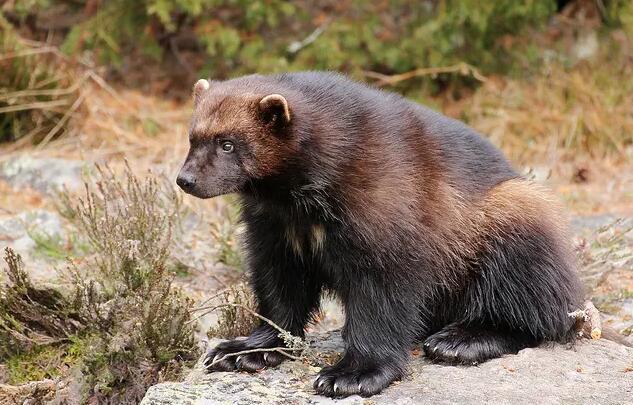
(225, 357)
(340, 381)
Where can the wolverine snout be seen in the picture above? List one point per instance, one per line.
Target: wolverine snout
(186, 181)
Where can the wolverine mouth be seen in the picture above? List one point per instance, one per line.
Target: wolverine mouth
(205, 195)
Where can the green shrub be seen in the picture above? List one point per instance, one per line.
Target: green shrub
(242, 36)
(118, 319)
(224, 230)
(142, 324)
(617, 13)
(32, 317)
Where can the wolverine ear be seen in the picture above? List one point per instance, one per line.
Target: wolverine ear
(275, 108)
(199, 88)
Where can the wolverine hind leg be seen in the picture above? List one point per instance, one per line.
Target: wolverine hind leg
(465, 344)
(521, 287)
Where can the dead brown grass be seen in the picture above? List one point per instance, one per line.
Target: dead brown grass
(561, 114)
(39, 90)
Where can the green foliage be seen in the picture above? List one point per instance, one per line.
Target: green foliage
(116, 27)
(618, 13)
(58, 248)
(46, 361)
(128, 224)
(390, 37)
(31, 316)
(244, 36)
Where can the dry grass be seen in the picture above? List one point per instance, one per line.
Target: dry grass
(104, 122)
(39, 90)
(118, 123)
(563, 113)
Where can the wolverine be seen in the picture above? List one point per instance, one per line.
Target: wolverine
(419, 225)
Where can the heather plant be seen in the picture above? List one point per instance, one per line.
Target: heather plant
(225, 231)
(117, 318)
(32, 316)
(233, 319)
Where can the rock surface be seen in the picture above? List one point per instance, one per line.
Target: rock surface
(43, 174)
(596, 372)
(19, 233)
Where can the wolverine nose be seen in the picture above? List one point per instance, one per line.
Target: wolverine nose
(186, 181)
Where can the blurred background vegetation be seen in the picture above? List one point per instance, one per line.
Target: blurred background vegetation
(423, 49)
(224, 38)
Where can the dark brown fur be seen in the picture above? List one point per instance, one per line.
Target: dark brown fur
(419, 225)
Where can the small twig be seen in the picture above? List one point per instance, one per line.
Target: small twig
(62, 121)
(280, 350)
(102, 83)
(28, 52)
(588, 320)
(174, 49)
(7, 211)
(45, 92)
(595, 325)
(215, 277)
(263, 318)
(296, 46)
(284, 334)
(462, 68)
(41, 105)
(203, 303)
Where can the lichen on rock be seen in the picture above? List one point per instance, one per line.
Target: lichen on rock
(596, 371)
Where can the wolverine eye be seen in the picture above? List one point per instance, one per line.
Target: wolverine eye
(227, 146)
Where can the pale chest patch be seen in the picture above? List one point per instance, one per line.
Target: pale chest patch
(302, 241)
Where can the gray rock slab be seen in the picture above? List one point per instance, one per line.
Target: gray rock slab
(43, 174)
(592, 372)
(18, 231)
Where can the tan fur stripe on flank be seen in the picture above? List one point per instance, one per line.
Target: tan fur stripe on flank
(519, 201)
(522, 200)
(464, 230)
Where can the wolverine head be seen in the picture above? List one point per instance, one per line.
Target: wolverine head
(237, 133)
